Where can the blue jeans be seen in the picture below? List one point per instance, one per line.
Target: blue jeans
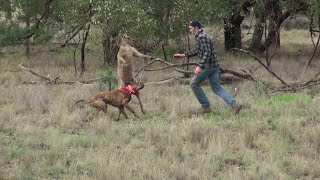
(213, 74)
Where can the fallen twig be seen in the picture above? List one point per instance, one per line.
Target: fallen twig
(56, 80)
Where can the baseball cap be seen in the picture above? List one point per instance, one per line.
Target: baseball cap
(195, 23)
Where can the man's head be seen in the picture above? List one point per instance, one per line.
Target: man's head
(194, 26)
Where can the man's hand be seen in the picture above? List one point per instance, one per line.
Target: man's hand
(197, 70)
(177, 56)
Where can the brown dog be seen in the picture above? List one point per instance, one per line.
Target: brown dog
(118, 98)
(125, 66)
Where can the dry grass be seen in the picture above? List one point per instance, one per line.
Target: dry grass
(43, 135)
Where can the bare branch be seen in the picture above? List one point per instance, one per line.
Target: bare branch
(315, 47)
(175, 66)
(169, 65)
(56, 80)
(244, 76)
(268, 69)
(36, 74)
(72, 36)
(44, 14)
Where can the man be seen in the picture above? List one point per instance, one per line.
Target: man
(208, 67)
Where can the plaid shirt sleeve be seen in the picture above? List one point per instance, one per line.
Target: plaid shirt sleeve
(192, 53)
(205, 49)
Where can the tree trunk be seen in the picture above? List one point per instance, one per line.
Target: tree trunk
(111, 46)
(256, 45)
(273, 37)
(83, 47)
(232, 28)
(232, 35)
(276, 18)
(28, 42)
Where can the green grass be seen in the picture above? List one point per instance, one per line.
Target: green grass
(287, 98)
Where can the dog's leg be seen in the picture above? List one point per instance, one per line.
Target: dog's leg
(130, 109)
(104, 109)
(121, 110)
(100, 106)
(140, 102)
(96, 113)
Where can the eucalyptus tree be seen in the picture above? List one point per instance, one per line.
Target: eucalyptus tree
(23, 20)
(114, 17)
(314, 28)
(269, 16)
(232, 13)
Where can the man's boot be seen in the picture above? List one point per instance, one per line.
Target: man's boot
(236, 108)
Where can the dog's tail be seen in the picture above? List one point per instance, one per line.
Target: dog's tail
(82, 100)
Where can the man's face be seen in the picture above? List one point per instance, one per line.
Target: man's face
(193, 30)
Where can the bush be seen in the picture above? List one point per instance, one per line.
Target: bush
(108, 78)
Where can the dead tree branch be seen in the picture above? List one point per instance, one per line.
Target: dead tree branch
(266, 67)
(56, 80)
(175, 66)
(315, 50)
(292, 87)
(43, 16)
(169, 65)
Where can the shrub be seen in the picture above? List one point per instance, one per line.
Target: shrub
(108, 78)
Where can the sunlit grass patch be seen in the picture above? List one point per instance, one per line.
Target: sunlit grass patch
(285, 99)
(288, 98)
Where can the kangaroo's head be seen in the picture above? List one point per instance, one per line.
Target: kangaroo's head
(126, 39)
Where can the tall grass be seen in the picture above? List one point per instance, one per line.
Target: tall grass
(43, 135)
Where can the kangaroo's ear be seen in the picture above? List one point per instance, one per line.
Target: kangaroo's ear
(120, 34)
(123, 34)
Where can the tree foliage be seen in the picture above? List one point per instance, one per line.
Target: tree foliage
(143, 19)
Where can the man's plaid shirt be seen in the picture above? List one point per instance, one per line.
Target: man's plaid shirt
(205, 51)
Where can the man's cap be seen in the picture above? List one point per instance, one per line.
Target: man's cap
(195, 23)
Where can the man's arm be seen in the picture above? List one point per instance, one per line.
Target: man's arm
(193, 52)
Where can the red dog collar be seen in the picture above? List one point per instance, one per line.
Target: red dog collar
(129, 88)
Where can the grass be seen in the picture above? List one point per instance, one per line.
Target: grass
(44, 136)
